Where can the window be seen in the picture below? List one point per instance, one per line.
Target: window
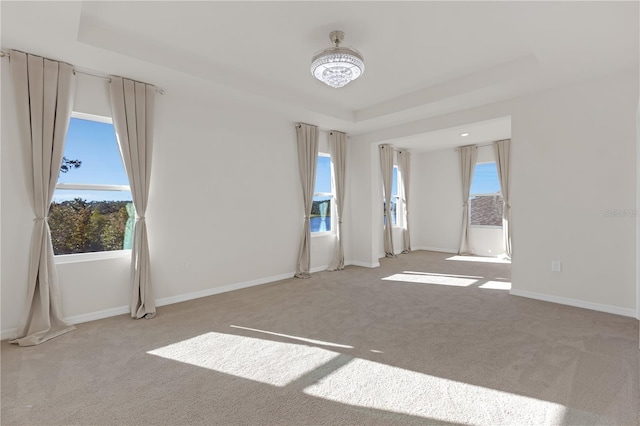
(396, 205)
(92, 209)
(485, 200)
(322, 196)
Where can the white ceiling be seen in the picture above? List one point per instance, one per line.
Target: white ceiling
(423, 59)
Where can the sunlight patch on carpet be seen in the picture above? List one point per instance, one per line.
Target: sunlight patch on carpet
(496, 285)
(436, 279)
(369, 384)
(301, 339)
(438, 274)
(480, 259)
(264, 361)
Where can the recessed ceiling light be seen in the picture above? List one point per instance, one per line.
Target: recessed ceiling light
(464, 134)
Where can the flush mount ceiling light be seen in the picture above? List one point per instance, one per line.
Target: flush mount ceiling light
(337, 66)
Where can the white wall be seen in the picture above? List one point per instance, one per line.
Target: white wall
(226, 196)
(487, 240)
(363, 190)
(94, 289)
(225, 206)
(638, 213)
(216, 163)
(437, 197)
(573, 159)
(436, 191)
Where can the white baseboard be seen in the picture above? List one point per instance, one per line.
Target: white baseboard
(9, 333)
(217, 290)
(363, 264)
(395, 252)
(319, 269)
(440, 249)
(577, 303)
(77, 319)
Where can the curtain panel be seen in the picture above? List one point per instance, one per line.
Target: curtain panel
(404, 165)
(44, 92)
(307, 138)
(468, 156)
(338, 151)
(502, 151)
(386, 166)
(132, 105)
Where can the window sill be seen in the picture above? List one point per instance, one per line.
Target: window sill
(322, 234)
(486, 226)
(89, 257)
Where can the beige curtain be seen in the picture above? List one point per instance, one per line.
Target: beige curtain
(386, 166)
(132, 105)
(307, 136)
(502, 151)
(338, 151)
(44, 92)
(404, 165)
(468, 155)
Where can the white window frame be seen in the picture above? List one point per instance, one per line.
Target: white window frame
(333, 203)
(399, 201)
(489, 194)
(99, 255)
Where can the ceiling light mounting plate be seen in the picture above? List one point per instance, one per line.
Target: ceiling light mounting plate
(336, 37)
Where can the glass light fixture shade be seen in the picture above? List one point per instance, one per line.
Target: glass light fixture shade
(337, 66)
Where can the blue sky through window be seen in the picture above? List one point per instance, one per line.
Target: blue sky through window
(485, 179)
(394, 182)
(95, 145)
(323, 174)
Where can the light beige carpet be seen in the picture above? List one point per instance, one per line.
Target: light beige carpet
(420, 340)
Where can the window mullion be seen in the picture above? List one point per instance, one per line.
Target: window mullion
(93, 187)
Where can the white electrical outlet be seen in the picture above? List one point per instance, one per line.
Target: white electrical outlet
(556, 266)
